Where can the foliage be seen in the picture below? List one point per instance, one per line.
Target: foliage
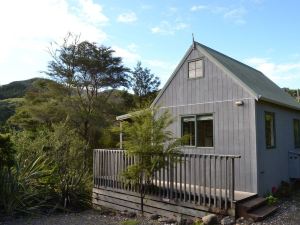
(130, 222)
(144, 84)
(271, 200)
(25, 187)
(292, 92)
(7, 152)
(198, 222)
(148, 139)
(90, 73)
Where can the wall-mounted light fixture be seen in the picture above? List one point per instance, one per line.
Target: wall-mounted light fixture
(239, 103)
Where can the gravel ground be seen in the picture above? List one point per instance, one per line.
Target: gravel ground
(89, 217)
(287, 214)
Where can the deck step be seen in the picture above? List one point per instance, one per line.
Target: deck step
(262, 212)
(253, 203)
(255, 208)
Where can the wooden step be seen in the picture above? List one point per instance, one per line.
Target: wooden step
(253, 203)
(262, 212)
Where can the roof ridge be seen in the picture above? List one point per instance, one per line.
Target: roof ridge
(250, 67)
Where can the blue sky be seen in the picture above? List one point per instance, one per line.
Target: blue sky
(264, 34)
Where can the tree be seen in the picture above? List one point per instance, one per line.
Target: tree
(144, 84)
(148, 139)
(89, 70)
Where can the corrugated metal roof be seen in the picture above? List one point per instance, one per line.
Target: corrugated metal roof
(263, 87)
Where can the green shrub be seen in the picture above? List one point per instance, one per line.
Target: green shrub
(130, 222)
(271, 200)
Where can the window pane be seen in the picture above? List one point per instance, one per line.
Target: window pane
(199, 73)
(297, 133)
(199, 64)
(192, 73)
(188, 128)
(192, 65)
(270, 130)
(205, 131)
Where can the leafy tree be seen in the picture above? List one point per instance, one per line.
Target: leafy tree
(144, 84)
(91, 73)
(148, 139)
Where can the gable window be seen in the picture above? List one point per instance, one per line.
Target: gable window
(270, 129)
(199, 129)
(195, 68)
(297, 133)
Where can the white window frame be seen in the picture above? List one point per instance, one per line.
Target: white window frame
(194, 68)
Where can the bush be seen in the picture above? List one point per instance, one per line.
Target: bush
(47, 172)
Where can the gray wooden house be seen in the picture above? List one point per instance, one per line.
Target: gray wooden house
(246, 114)
(244, 140)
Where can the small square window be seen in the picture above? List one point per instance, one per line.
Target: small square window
(196, 68)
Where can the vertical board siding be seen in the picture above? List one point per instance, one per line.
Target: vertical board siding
(275, 160)
(234, 126)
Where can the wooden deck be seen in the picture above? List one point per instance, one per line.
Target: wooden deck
(196, 185)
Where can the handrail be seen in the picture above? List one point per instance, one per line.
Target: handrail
(201, 179)
(213, 155)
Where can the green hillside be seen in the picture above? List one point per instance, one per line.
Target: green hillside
(16, 89)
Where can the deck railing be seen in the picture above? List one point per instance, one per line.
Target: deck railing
(200, 179)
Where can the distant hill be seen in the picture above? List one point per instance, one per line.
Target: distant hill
(11, 96)
(16, 89)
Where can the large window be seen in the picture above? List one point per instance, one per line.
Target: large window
(270, 129)
(196, 68)
(297, 133)
(199, 129)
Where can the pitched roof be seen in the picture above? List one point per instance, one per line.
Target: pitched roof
(261, 87)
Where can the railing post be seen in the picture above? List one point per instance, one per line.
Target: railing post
(232, 183)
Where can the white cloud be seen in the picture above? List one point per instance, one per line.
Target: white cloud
(128, 17)
(278, 72)
(129, 56)
(166, 28)
(27, 28)
(236, 15)
(233, 14)
(198, 8)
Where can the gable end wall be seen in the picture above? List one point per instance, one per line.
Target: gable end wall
(234, 126)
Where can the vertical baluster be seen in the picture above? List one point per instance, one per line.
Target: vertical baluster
(123, 168)
(176, 180)
(101, 167)
(180, 177)
(199, 181)
(94, 169)
(215, 183)
(190, 178)
(98, 167)
(204, 180)
(171, 178)
(185, 180)
(209, 181)
(232, 182)
(226, 183)
(159, 183)
(164, 182)
(168, 178)
(221, 177)
(195, 181)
